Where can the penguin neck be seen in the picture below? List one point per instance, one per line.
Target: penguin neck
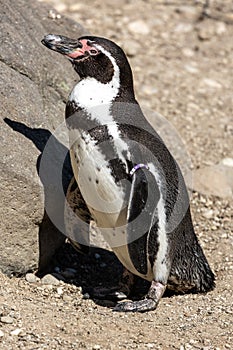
(90, 92)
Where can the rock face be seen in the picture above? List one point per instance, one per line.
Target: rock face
(34, 85)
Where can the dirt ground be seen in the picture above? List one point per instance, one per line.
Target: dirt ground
(182, 67)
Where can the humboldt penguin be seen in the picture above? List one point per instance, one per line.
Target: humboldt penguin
(126, 180)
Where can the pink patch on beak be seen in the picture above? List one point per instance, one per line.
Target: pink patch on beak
(80, 52)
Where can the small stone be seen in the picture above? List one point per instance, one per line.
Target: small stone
(183, 28)
(16, 331)
(1, 334)
(205, 32)
(189, 12)
(208, 214)
(31, 278)
(59, 290)
(132, 48)
(227, 162)
(103, 265)
(86, 296)
(191, 69)
(6, 319)
(192, 106)
(97, 256)
(212, 83)
(96, 347)
(220, 28)
(139, 27)
(188, 52)
(149, 90)
(67, 298)
(69, 273)
(50, 279)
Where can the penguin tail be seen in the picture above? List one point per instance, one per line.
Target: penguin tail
(190, 270)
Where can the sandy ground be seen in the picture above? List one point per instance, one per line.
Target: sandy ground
(182, 69)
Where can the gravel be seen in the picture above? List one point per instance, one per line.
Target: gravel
(182, 68)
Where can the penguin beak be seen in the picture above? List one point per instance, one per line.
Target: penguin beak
(69, 47)
(75, 49)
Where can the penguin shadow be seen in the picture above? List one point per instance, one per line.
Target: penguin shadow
(98, 268)
(50, 238)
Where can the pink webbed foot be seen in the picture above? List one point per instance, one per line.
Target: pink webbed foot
(150, 302)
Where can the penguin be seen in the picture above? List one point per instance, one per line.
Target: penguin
(125, 178)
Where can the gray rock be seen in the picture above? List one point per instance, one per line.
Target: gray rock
(50, 279)
(215, 180)
(33, 89)
(31, 278)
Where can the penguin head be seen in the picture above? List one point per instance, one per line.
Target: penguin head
(92, 56)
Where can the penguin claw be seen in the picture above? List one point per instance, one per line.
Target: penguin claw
(136, 306)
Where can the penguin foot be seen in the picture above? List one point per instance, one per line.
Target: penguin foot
(136, 306)
(150, 302)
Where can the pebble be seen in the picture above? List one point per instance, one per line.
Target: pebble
(220, 28)
(189, 12)
(1, 334)
(227, 162)
(191, 69)
(59, 290)
(31, 278)
(86, 296)
(208, 214)
(139, 27)
(69, 273)
(50, 279)
(205, 32)
(6, 319)
(132, 48)
(188, 52)
(212, 83)
(96, 347)
(16, 331)
(67, 298)
(183, 28)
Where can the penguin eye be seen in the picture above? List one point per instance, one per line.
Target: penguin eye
(93, 52)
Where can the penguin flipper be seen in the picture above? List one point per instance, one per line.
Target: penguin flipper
(77, 218)
(143, 200)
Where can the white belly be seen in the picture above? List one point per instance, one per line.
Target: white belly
(104, 198)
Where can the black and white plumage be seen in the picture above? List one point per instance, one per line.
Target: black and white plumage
(126, 179)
